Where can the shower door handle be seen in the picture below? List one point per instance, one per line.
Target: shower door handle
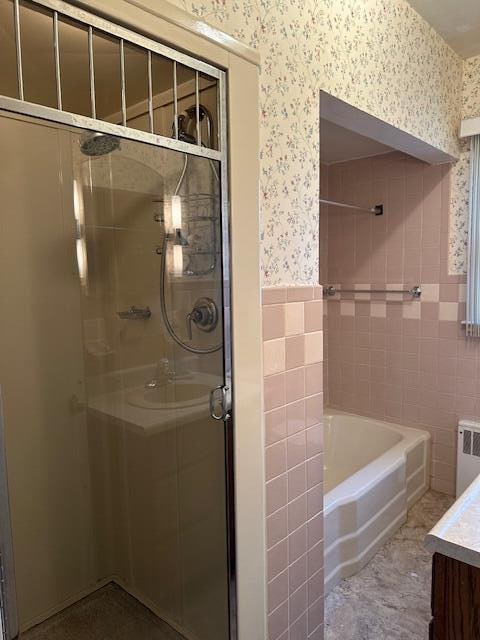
(220, 403)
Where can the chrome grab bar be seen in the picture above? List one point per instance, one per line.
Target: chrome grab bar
(135, 313)
(415, 291)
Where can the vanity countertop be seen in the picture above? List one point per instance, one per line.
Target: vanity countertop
(457, 534)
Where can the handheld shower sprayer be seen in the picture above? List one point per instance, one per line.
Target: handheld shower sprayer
(205, 313)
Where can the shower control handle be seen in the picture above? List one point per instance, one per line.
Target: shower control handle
(204, 315)
(191, 317)
(220, 403)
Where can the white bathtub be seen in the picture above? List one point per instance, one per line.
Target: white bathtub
(374, 472)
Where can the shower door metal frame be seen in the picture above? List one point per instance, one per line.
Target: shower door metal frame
(8, 604)
(56, 115)
(59, 7)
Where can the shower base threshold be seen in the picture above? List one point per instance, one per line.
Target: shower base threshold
(107, 614)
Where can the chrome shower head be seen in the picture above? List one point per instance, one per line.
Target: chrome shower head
(187, 125)
(183, 123)
(183, 136)
(99, 144)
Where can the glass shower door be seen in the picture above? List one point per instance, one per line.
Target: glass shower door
(117, 472)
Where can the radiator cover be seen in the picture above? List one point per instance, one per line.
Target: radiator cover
(468, 454)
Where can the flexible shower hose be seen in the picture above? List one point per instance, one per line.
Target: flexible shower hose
(163, 268)
(163, 307)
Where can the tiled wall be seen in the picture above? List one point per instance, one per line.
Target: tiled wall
(390, 356)
(293, 354)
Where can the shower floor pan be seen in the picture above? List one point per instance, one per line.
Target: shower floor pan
(108, 614)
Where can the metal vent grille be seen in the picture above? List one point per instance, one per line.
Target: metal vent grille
(476, 444)
(467, 441)
(471, 442)
(45, 69)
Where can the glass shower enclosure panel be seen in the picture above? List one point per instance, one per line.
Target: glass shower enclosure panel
(111, 271)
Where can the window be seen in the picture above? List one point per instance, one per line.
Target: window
(473, 268)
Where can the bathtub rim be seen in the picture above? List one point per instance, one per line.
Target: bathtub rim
(360, 482)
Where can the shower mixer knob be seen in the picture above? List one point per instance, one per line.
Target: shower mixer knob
(204, 315)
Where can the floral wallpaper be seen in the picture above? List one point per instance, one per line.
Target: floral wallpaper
(384, 58)
(378, 55)
(458, 235)
(471, 88)
(458, 226)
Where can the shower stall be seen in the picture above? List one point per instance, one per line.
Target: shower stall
(116, 483)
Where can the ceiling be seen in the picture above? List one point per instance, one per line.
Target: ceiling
(338, 144)
(457, 21)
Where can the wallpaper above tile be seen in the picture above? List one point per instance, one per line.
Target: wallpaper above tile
(384, 58)
(461, 171)
(458, 219)
(471, 88)
(379, 56)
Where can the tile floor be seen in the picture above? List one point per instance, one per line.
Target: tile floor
(390, 598)
(108, 614)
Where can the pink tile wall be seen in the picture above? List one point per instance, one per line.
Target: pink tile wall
(401, 360)
(293, 354)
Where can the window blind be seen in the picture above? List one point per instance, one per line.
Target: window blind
(473, 264)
